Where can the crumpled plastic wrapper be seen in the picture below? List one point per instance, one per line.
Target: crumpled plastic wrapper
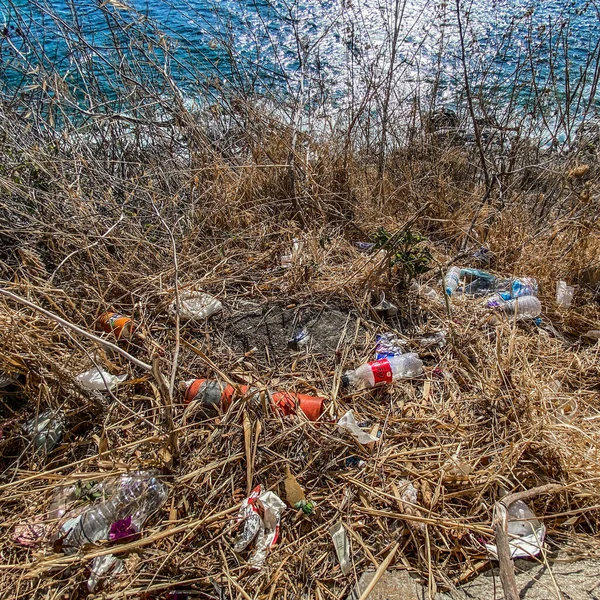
(525, 533)
(46, 430)
(348, 423)
(29, 535)
(261, 513)
(195, 306)
(407, 503)
(98, 379)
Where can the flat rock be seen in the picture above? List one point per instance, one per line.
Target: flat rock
(576, 581)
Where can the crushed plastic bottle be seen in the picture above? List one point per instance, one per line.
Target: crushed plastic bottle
(523, 286)
(99, 379)
(524, 307)
(130, 497)
(451, 280)
(386, 370)
(388, 345)
(483, 256)
(195, 306)
(46, 430)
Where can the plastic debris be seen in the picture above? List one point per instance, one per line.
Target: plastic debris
(386, 370)
(407, 503)
(261, 514)
(195, 306)
(294, 494)
(5, 379)
(435, 339)
(364, 246)
(287, 260)
(523, 307)
(353, 462)
(564, 294)
(526, 534)
(385, 309)
(101, 567)
(388, 345)
(299, 339)
(128, 501)
(348, 423)
(29, 535)
(117, 324)
(524, 286)
(98, 379)
(451, 280)
(592, 334)
(566, 412)
(46, 430)
(212, 395)
(342, 546)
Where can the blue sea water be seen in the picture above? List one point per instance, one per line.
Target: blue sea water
(327, 51)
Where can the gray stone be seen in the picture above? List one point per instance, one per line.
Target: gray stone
(576, 581)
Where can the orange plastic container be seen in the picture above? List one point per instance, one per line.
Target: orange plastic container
(286, 402)
(117, 324)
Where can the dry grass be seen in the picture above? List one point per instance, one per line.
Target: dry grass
(80, 235)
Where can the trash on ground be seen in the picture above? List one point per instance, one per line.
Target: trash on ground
(294, 494)
(342, 546)
(299, 339)
(99, 379)
(261, 515)
(407, 494)
(523, 307)
(388, 345)
(101, 567)
(483, 256)
(195, 306)
(127, 499)
(46, 430)
(348, 423)
(386, 370)
(451, 280)
(212, 395)
(364, 246)
(567, 411)
(29, 535)
(385, 309)
(435, 339)
(287, 260)
(117, 324)
(525, 533)
(564, 294)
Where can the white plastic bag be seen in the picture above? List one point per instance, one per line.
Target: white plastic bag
(348, 423)
(195, 306)
(99, 379)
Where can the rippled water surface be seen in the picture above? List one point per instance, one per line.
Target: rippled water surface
(327, 49)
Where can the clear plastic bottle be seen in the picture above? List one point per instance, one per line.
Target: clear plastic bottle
(386, 370)
(136, 496)
(451, 280)
(525, 307)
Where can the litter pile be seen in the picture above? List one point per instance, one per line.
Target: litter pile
(166, 446)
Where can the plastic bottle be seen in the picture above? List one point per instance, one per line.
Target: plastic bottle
(451, 280)
(523, 286)
(387, 345)
(131, 496)
(525, 307)
(119, 325)
(386, 370)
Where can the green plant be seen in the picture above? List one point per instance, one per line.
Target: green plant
(407, 251)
